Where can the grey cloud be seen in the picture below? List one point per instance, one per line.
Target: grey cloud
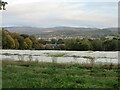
(55, 13)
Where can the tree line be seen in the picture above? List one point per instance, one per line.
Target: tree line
(29, 42)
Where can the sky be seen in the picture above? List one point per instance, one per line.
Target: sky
(73, 13)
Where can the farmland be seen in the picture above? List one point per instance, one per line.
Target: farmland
(25, 74)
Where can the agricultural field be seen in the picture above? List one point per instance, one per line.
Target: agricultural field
(59, 69)
(32, 74)
(99, 57)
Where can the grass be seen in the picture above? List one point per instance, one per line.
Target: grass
(109, 37)
(88, 57)
(20, 74)
(7, 54)
(57, 55)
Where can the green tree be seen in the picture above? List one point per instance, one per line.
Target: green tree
(34, 41)
(16, 44)
(111, 45)
(19, 39)
(60, 41)
(118, 45)
(10, 44)
(71, 44)
(24, 45)
(53, 41)
(42, 41)
(29, 43)
(85, 45)
(97, 45)
(3, 39)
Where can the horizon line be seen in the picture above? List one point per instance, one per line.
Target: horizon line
(55, 26)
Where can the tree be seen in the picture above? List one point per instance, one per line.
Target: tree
(85, 45)
(97, 45)
(53, 41)
(35, 42)
(3, 39)
(111, 45)
(42, 41)
(71, 44)
(16, 44)
(60, 41)
(118, 45)
(10, 44)
(29, 43)
(15, 35)
(19, 40)
(39, 46)
(22, 45)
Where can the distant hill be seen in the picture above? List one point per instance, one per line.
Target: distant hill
(64, 31)
(24, 30)
(113, 29)
(77, 33)
(36, 30)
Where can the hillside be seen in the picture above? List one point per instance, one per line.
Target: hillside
(36, 30)
(63, 32)
(77, 34)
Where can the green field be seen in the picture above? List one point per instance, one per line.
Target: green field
(21, 74)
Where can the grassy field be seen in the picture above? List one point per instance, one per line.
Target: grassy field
(21, 74)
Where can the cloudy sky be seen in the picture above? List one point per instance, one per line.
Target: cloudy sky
(77, 13)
